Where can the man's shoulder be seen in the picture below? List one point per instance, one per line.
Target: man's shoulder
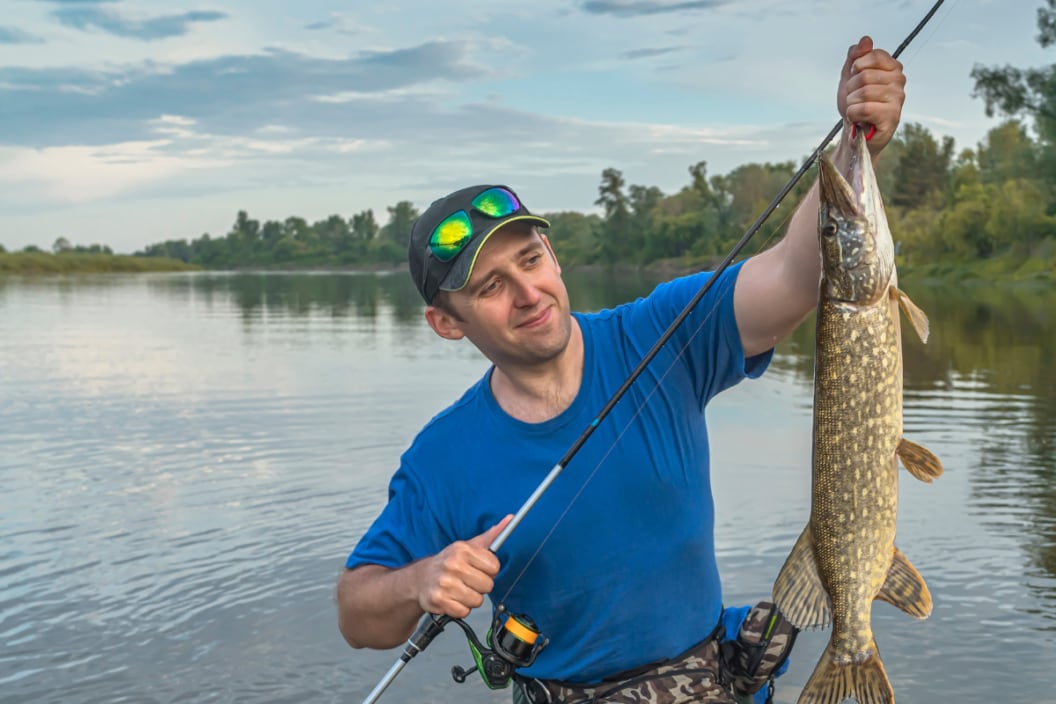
(680, 287)
(675, 292)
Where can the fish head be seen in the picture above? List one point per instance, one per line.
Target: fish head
(857, 252)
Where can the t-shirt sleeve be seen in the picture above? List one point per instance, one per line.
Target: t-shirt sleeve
(709, 339)
(405, 531)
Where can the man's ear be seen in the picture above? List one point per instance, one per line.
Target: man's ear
(551, 250)
(443, 323)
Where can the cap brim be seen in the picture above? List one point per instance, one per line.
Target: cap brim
(459, 275)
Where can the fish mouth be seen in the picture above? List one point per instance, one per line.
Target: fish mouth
(844, 195)
(856, 249)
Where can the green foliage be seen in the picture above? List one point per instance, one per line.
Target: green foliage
(35, 261)
(922, 168)
(401, 218)
(618, 241)
(574, 236)
(983, 203)
(364, 226)
(995, 203)
(383, 251)
(1025, 92)
(1006, 153)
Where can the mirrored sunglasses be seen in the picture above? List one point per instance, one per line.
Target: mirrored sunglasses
(455, 231)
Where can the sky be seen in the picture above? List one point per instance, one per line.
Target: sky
(130, 122)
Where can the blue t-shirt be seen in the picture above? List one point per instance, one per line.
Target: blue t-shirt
(628, 575)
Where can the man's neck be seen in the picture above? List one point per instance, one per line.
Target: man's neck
(537, 393)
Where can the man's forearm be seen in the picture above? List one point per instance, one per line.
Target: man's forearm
(377, 606)
(778, 288)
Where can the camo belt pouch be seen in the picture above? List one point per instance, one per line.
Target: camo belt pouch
(760, 648)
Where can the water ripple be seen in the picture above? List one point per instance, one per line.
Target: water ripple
(183, 479)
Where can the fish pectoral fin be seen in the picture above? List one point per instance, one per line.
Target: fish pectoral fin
(916, 316)
(919, 460)
(866, 680)
(798, 591)
(905, 589)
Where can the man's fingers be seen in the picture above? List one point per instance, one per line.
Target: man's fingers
(877, 94)
(456, 598)
(454, 585)
(485, 539)
(854, 53)
(458, 578)
(878, 60)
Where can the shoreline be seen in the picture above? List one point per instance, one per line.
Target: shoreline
(1004, 270)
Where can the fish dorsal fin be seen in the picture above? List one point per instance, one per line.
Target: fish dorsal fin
(918, 460)
(905, 589)
(798, 591)
(916, 316)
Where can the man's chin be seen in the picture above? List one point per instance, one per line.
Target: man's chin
(549, 347)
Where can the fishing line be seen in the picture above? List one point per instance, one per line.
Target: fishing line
(432, 624)
(933, 30)
(664, 338)
(630, 422)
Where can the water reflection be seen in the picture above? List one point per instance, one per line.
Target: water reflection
(362, 295)
(204, 448)
(990, 344)
(337, 295)
(988, 369)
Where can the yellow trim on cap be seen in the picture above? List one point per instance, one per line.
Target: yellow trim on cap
(484, 240)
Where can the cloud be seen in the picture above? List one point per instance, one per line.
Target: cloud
(14, 35)
(160, 27)
(649, 53)
(342, 23)
(634, 8)
(230, 94)
(77, 174)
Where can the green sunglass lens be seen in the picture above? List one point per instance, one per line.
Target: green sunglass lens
(450, 236)
(496, 202)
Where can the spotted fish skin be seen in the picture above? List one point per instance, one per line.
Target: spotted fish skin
(846, 556)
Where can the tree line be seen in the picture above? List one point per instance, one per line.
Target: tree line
(995, 200)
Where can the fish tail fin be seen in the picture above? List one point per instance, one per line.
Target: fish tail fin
(834, 682)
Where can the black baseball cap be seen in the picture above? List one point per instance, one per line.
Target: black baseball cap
(446, 238)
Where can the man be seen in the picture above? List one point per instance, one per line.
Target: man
(625, 578)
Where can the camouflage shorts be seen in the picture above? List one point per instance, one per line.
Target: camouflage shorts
(690, 677)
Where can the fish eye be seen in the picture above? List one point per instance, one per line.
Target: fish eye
(829, 229)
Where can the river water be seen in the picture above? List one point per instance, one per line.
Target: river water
(186, 460)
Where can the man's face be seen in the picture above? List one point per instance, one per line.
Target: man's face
(515, 307)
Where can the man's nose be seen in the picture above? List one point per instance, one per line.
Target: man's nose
(526, 294)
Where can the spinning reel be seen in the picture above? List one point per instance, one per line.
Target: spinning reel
(513, 641)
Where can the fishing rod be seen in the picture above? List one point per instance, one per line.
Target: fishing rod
(513, 640)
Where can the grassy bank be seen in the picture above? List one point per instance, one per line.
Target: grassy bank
(1007, 268)
(1003, 269)
(79, 263)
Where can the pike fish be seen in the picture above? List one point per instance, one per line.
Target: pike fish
(846, 557)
